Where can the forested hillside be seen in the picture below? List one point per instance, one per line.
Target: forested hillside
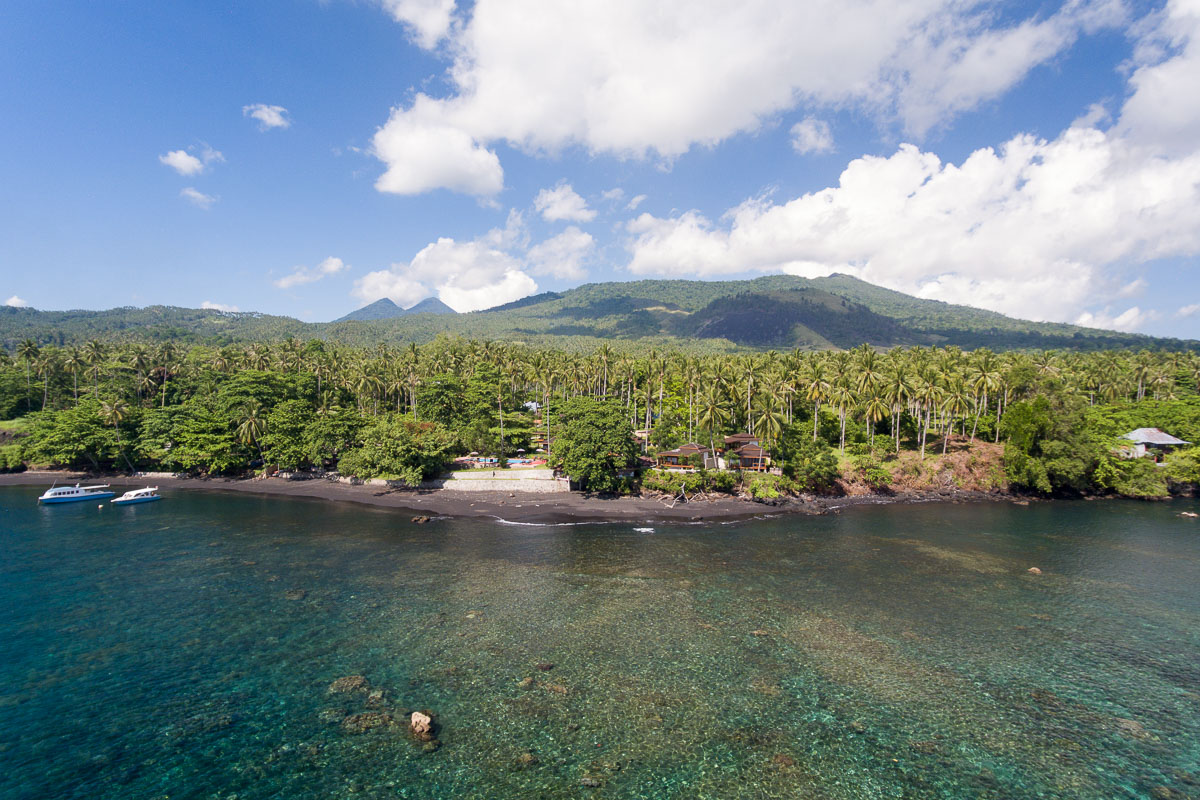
(778, 312)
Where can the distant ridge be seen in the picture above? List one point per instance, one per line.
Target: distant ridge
(386, 309)
(775, 312)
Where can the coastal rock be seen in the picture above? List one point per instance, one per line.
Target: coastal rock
(367, 721)
(331, 716)
(349, 684)
(421, 726)
(1189, 514)
(420, 520)
(1034, 571)
(1131, 727)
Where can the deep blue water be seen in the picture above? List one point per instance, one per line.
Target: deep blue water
(186, 649)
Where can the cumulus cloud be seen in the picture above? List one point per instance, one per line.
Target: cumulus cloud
(812, 136)
(197, 197)
(16, 302)
(182, 162)
(1164, 108)
(562, 256)
(1025, 230)
(424, 152)
(490, 270)
(302, 275)
(631, 81)
(268, 116)
(1184, 311)
(562, 203)
(185, 163)
(208, 304)
(1131, 319)
(428, 20)
(467, 276)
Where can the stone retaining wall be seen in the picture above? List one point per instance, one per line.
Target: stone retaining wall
(538, 481)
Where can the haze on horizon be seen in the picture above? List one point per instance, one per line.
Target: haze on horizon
(306, 157)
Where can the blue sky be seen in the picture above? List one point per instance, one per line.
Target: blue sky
(302, 157)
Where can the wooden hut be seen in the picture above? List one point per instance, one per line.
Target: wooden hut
(683, 457)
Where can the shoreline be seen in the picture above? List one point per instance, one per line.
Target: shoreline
(535, 509)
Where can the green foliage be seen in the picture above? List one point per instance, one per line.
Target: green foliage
(328, 436)
(1180, 418)
(810, 465)
(284, 442)
(765, 486)
(75, 437)
(1131, 477)
(594, 441)
(673, 482)
(1183, 467)
(205, 441)
(400, 448)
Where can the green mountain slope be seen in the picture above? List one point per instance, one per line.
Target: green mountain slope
(775, 312)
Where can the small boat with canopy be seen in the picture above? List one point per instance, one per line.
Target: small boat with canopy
(135, 496)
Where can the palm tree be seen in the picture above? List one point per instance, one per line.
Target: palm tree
(252, 427)
(814, 382)
(113, 413)
(28, 351)
(713, 413)
(843, 398)
(74, 363)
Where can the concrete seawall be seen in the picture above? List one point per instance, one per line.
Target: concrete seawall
(537, 481)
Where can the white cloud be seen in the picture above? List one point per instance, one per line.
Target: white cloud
(424, 152)
(1164, 109)
(1134, 288)
(634, 81)
(1184, 311)
(218, 306)
(301, 275)
(563, 255)
(635, 202)
(429, 20)
(16, 302)
(182, 162)
(185, 163)
(614, 195)
(812, 136)
(1026, 230)
(467, 276)
(1131, 319)
(562, 203)
(268, 116)
(197, 197)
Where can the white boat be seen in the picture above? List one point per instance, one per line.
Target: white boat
(73, 494)
(147, 495)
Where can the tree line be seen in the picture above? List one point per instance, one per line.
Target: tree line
(405, 411)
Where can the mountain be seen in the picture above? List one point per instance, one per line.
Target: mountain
(386, 309)
(777, 312)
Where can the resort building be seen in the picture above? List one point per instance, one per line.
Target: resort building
(750, 456)
(1150, 442)
(687, 456)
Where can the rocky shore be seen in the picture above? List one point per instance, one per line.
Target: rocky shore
(573, 508)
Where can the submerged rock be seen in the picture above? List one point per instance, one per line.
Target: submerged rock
(367, 721)
(545, 666)
(331, 716)
(349, 684)
(295, 594)
(526, 760)
(526, 683)
(1034, 571)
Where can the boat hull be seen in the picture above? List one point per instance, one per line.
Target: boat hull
(76, 499)
(135, 500)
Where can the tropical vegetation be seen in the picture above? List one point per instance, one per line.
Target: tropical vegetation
(404, 413)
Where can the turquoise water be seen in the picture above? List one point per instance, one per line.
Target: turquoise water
(186, 649)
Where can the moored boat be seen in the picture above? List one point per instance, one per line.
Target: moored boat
(147, 495)
(73, 494)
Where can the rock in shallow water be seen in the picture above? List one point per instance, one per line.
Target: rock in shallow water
(421, 726)
(367, 721)
(349, 684)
